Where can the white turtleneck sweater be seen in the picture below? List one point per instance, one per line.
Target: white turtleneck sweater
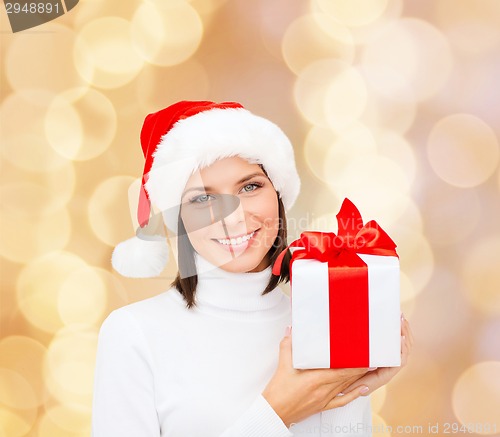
(165, 370)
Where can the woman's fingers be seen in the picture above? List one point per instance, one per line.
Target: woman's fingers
(285, 351)
(354, 382)
(406, 330)
(404, 351)
(410, 334)
(344, 398)
(375, 379)
(335, 377)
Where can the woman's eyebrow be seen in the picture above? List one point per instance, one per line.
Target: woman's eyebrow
(246, 178)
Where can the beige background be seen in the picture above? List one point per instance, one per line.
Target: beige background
(393, 104)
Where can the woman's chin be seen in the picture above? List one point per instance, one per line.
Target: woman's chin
(235, 262)
(239, 266)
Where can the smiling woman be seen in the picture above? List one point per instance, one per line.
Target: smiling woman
(208, 356)
(248, 239)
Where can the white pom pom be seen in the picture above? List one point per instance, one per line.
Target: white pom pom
(140, 258)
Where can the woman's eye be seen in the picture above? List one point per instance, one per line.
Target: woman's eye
(251, 187)
(200, 199)
(205, 198)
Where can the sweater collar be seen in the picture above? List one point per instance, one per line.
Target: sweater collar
(233, 291)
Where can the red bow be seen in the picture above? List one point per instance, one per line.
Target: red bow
(340, 250)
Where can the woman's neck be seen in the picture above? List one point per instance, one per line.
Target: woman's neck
(222, 291)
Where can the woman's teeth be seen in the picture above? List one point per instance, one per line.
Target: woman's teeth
(236, 241)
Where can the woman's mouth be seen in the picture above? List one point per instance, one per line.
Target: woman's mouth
(241, 242)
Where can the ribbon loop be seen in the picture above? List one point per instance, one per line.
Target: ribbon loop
(353, 237)
(349, 221)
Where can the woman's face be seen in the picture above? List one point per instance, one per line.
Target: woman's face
(240, 241)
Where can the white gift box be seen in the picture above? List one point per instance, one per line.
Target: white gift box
(310, 296)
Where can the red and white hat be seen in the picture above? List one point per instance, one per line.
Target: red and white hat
(188, 136)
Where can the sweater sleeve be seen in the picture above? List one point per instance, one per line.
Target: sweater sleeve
(258, 420)
(354, 419)
(123, 399)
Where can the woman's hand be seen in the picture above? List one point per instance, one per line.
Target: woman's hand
(299, 393)
(381, 376)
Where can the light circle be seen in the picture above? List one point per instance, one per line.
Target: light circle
(346, 98)
(83, 296)
(463, 150)
(104, 55)
(65, 420)
(38, 287)
(166, 33)
(476, 397)
(24, 238)
(80, 127)
(24, 145)
(312, 86)
(109, 210)
(17, 401)
(71, 352)
(410, 47)
(24, 355)
(313, 37)
(480, 275)
(353, 12)
(40, 61)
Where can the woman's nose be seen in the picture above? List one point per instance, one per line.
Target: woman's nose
(234, 216)
(225, 207)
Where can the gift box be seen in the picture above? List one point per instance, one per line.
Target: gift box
(345, 296)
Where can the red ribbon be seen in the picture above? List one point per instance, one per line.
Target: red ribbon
(347, 279)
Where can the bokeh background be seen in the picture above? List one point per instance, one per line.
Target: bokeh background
(393, 104)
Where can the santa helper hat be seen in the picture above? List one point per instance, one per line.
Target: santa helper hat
(185, 137)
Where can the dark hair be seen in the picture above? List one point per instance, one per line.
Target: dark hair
(186, 284)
